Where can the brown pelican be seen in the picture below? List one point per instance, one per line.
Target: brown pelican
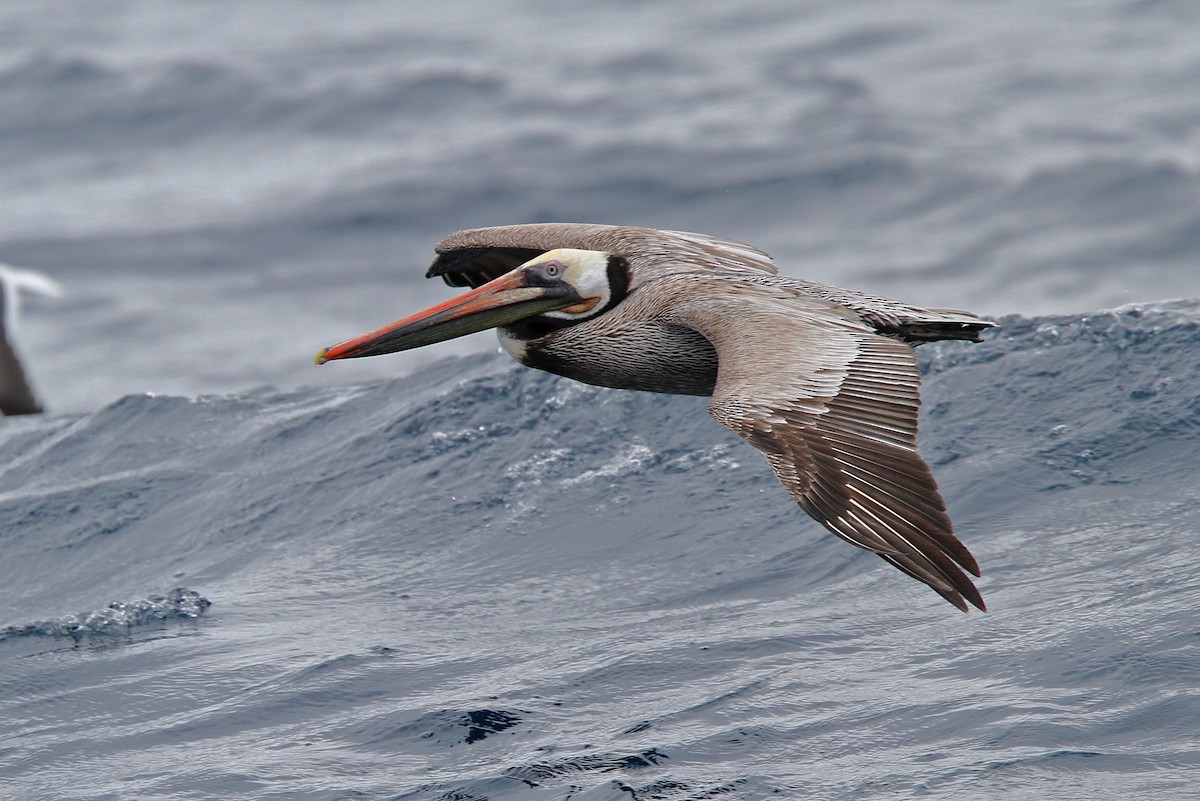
(822, 380)
(16, 394)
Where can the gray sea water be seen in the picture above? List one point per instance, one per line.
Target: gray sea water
(442, 576)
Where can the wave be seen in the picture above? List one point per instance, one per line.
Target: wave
(531, 586)
(117, 617)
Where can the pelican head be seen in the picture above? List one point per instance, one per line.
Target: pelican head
(561, 287)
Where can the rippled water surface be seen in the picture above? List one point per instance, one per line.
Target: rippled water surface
(486, 582)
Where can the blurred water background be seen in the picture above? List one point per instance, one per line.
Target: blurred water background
(223, 187)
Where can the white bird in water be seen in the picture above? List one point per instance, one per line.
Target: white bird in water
(822, 380)
(16, 393)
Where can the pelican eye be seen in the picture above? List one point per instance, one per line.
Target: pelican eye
(553, 269)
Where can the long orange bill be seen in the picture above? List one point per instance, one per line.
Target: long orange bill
(500, 302)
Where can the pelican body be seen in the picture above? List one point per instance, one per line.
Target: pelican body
(822, 380)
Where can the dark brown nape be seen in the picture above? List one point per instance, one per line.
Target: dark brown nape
(476, 266)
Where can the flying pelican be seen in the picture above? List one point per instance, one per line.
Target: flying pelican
(822, 380)
(16, 394)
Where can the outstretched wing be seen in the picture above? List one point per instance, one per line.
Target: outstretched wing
(476, 256)
(833, 406)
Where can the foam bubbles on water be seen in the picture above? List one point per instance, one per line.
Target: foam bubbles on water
(118, 616)
(631, 459)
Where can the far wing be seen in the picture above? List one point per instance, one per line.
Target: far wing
(833, 406)
(476, 256)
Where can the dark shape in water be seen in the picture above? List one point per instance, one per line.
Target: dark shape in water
(482, 722)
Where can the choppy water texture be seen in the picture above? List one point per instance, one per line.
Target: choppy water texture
(487, 582)
(229, 575)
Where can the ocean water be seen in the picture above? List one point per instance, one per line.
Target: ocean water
(439, 575)
(484, 582)
(224, 187)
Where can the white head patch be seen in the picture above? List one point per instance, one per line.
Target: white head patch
(587, 272)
